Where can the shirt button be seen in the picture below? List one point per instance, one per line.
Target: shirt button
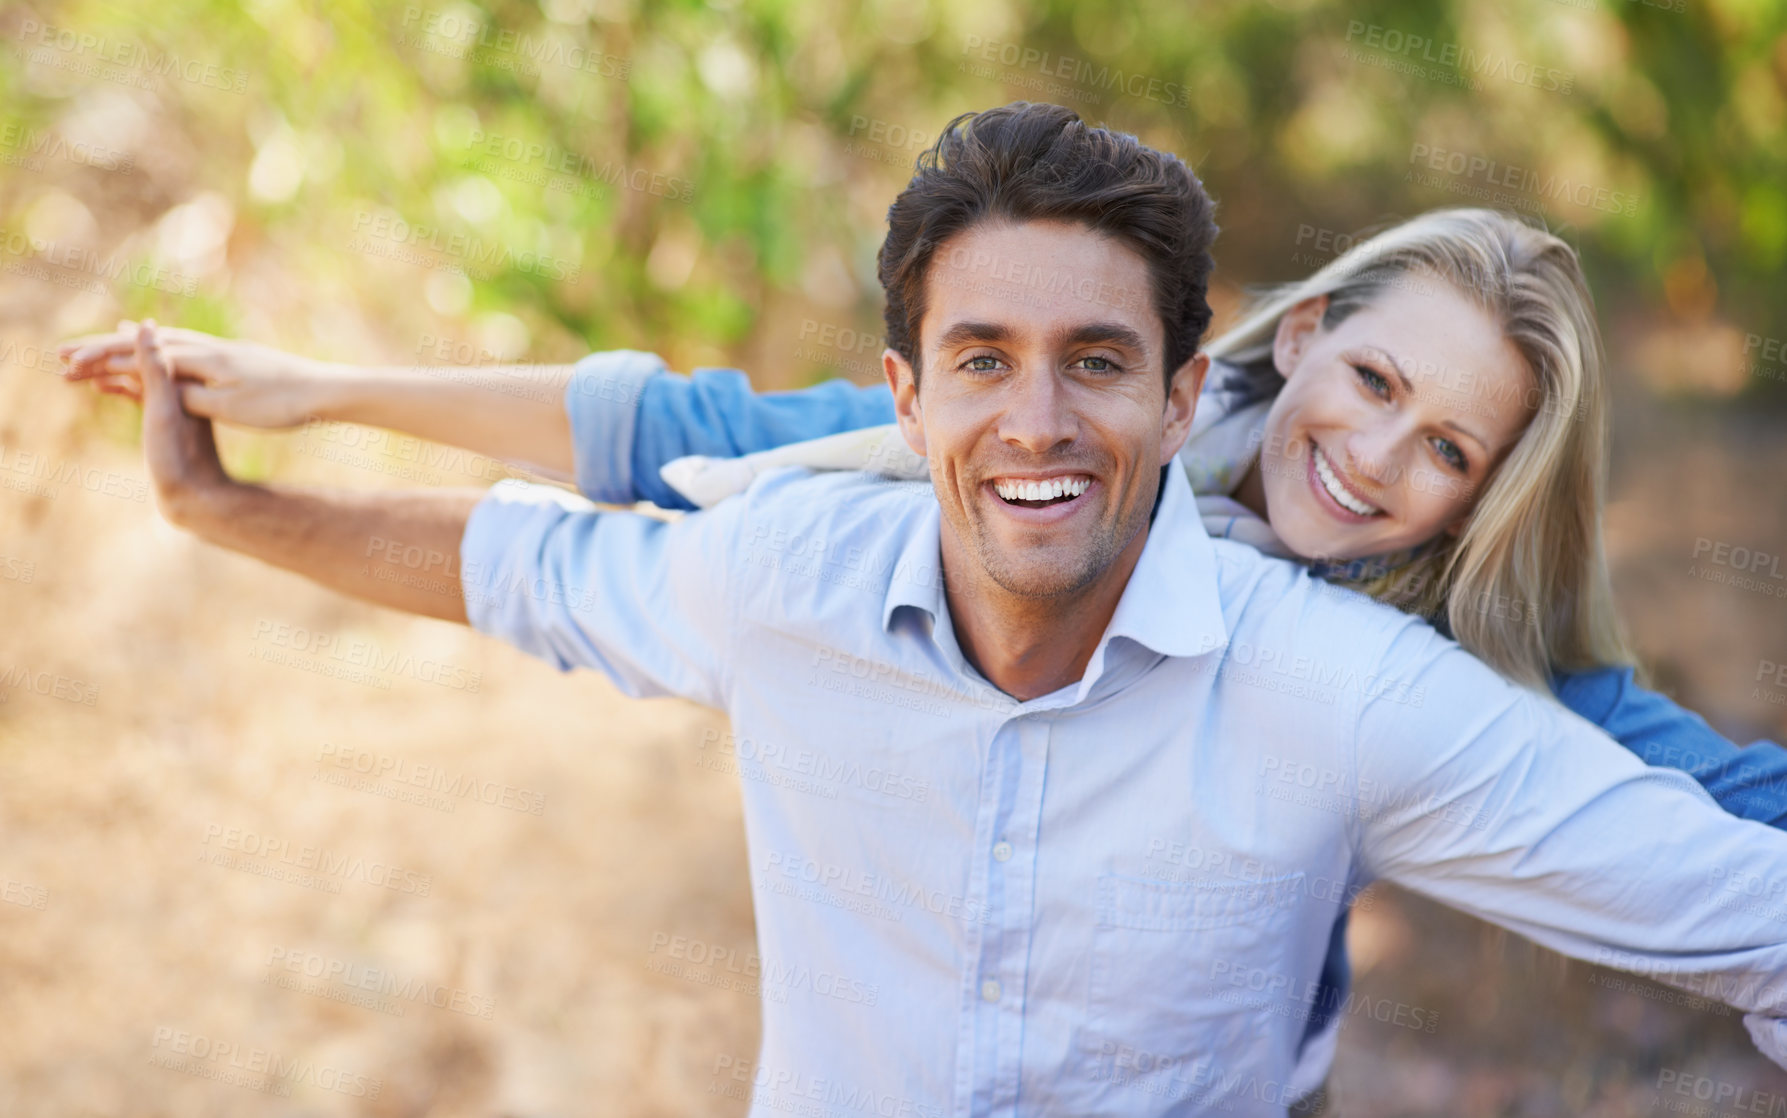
(1002, 852)
(989, 990)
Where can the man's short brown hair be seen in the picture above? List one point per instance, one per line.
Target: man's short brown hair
(1033, 162)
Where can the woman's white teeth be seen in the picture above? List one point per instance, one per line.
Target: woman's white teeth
(1042, 490)
(1338, 491)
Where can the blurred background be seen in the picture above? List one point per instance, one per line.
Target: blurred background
(539, 902)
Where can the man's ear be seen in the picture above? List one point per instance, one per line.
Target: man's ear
(1182, 405)
(907, 410)
(1296, 331)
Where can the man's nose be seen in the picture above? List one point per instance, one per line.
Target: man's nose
(1039, 416)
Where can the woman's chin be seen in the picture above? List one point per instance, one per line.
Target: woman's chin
(1315, 547)
(1312, 545)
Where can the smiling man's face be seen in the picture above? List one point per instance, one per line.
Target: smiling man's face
(1044, 409)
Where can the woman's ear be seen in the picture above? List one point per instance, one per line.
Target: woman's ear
(1296, 332)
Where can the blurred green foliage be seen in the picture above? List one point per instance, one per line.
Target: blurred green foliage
(778, 132)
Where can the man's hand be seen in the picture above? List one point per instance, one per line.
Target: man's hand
(180, 449)
(398, 548)
(237, 382)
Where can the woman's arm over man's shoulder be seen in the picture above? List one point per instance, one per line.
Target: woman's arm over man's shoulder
(1750, 782)
(630, 415)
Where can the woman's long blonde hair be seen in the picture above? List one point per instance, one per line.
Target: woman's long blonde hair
(1524, 586)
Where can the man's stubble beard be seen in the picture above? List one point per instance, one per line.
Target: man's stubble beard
(1102, 551)
(1041, 587)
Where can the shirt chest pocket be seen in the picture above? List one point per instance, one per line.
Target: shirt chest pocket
(1189, 983)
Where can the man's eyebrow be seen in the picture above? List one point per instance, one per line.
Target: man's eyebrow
(967, 333)
(1088, 333)
(1409, 386)
(1108, 333)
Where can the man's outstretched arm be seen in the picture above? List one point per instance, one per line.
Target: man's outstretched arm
(1496, 801)
(395, 548)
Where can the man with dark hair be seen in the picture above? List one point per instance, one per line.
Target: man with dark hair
(1070, 855)
(1025, 163)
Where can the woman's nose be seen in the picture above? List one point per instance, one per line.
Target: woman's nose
(1371, 454)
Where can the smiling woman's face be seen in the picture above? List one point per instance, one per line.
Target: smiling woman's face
(1391, 423)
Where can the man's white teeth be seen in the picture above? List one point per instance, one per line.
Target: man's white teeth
(1042, 490)
(1338, 491)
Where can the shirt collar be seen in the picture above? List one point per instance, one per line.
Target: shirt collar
(918, 570)
(1171, 604)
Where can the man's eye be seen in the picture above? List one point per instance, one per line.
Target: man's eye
(982, 363)
(1373, 380)
(1098, 364)
(1454, 457)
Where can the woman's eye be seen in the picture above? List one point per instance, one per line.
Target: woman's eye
(1454, 457)
(1373, 380)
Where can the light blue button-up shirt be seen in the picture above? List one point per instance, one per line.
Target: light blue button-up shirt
(1116, 898)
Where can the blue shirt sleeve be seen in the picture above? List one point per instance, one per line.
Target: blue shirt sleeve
(1749, 782)
(629, 416)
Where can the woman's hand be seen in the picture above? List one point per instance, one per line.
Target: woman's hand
(237, 382)
(508, 413)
